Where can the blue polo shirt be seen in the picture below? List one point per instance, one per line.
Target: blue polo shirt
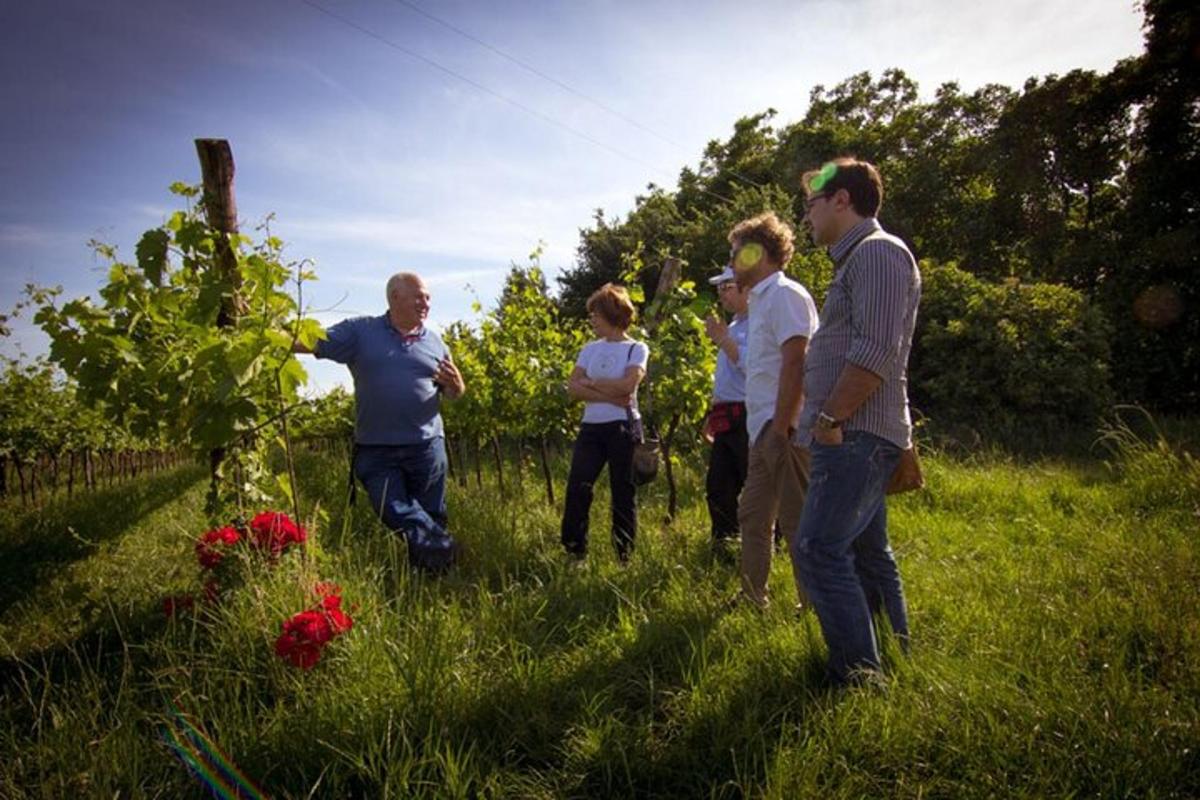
(729, 381)
(394, 393)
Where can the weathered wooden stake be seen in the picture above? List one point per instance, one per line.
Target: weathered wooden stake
(217, 170)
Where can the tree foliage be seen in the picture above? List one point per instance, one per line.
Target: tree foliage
(1086, 180)
(991, 354)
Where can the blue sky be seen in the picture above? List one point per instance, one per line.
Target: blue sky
(373, 159)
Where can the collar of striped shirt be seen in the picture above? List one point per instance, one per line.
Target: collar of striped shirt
(850, 238)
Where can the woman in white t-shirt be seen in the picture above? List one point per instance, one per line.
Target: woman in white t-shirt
(606, 377)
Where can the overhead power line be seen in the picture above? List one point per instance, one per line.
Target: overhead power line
(564, 86)
(546, 118)
(534, 70)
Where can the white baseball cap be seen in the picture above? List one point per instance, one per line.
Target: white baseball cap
(725, 276)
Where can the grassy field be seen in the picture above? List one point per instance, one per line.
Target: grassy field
(1053, 607)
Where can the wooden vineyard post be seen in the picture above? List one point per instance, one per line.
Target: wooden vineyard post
(499, 462)
(220, 206)
(216, 170)
(666, 282)
(546, 469)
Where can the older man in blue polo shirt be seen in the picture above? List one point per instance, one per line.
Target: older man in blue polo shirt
(401, 369)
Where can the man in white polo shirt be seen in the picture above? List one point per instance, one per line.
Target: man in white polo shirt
(783, 318)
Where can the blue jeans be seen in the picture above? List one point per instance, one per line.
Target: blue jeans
(841, 551)
(407, 487)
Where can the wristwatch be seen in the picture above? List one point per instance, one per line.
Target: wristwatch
(826, 422)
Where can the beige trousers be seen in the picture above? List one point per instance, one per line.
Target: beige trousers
(776, 481)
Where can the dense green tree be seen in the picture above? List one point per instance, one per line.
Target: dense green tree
(1087, 180)
(1153, 294)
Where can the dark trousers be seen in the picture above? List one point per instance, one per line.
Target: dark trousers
(597, 444)
(407, 487)
(726, 475)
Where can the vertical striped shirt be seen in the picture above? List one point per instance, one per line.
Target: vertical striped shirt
(868, 320)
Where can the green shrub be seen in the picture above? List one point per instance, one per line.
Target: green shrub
(989, 354)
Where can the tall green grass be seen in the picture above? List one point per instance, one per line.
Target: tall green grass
(1056, 649)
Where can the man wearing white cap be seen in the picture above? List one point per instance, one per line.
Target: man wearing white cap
(726, 422)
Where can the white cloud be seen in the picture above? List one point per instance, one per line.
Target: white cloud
(158, 214)
(22, 234)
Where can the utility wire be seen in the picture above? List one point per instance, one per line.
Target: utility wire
(532, 69)
(565, 87)
(491, 92)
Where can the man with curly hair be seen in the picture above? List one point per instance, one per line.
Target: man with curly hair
(782, 319)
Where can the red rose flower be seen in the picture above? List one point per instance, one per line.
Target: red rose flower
(305, 635)
(297, 651)
(210, 549)
(275, 532)
(339, 620)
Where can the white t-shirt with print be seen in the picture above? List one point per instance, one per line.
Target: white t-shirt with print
(607, 360)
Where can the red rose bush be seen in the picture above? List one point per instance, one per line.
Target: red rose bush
(275, 532)
(305, 635)
(213, 546)
(270, 533)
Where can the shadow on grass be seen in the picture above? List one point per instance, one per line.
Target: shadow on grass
(35, 545)
(619, 724)
(101, 654)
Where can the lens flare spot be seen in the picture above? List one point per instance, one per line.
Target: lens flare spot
(823, 177)
(1158, 306)
(747, 257)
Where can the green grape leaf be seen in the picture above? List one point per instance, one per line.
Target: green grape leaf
(152, 254)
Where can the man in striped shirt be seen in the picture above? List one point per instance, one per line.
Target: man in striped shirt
(855, 418)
